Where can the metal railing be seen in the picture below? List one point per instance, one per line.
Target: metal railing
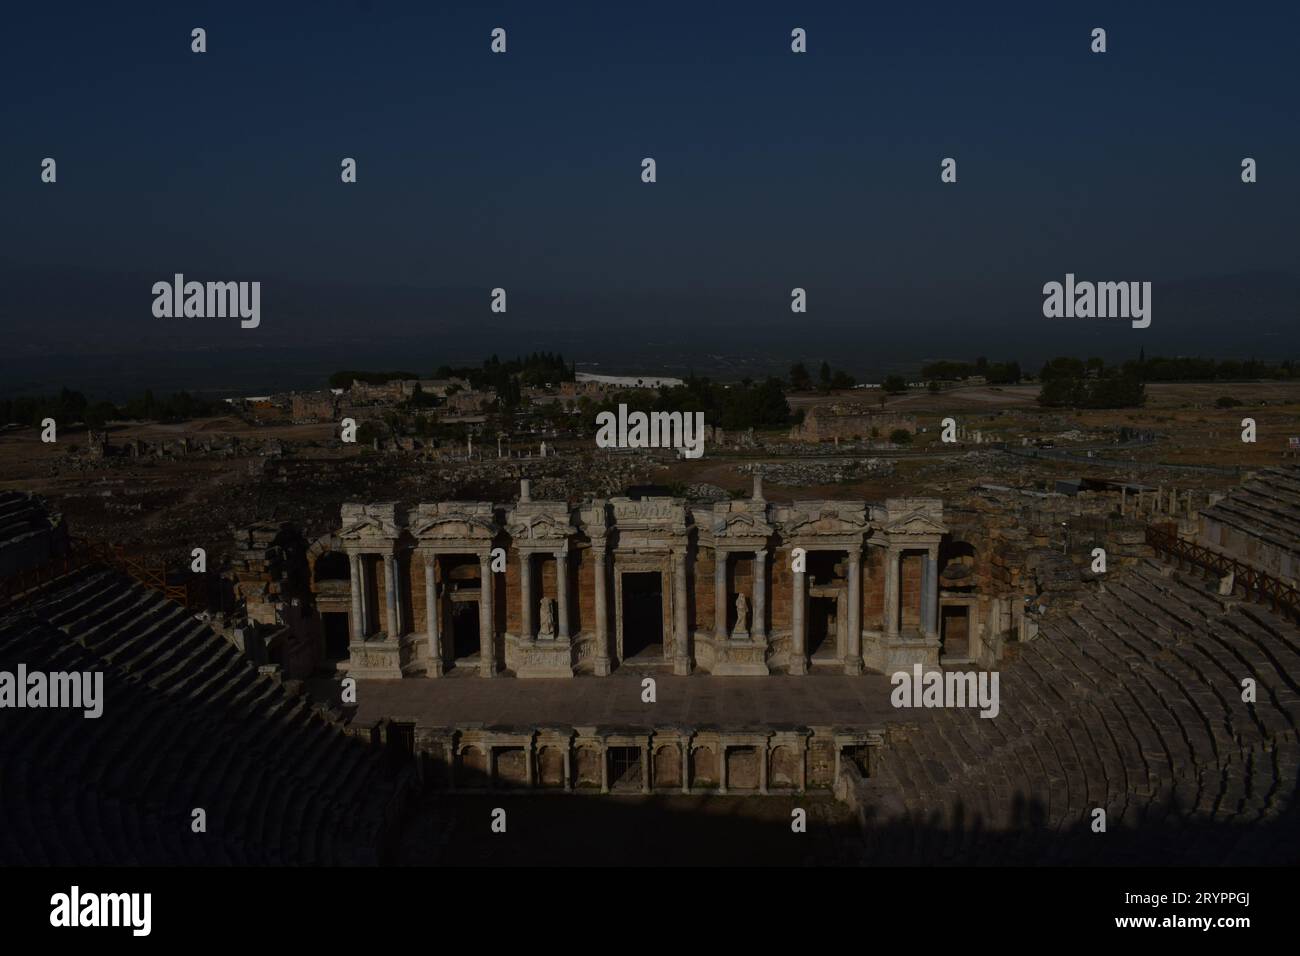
(82, 553)
(1254, 583)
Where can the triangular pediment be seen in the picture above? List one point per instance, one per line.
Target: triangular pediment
(827, 522)
(917, 522)
(368, 527)
(546, 527)
(741, 524)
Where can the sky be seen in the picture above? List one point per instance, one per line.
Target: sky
(523, 171)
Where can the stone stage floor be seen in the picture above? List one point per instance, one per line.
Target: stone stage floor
(700, 700)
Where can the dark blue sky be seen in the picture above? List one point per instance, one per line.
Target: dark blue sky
(775, 170)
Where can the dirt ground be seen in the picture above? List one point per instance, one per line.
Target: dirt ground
(166, 505)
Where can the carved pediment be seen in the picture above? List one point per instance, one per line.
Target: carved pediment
(454, 526)
(740, 524)
(827, 521)
(916, 523)
(541, 527)
(362, 522)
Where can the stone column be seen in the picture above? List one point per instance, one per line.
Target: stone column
(686, 766)
(722, 767)
(645, 767)
(358, 621)
(431, 615)
(763, 754)
(390, 596)
(604, 767)
(568, 772)
(892, 557)
(853, 660)
(367, 611)
(925, 594)
(602, 615)
(681, 641)
(526, 595)
(758, 627)
(798, 655)
(719, 594)
(486, 632)
(529, 755)
(562, 593)
(931, 593)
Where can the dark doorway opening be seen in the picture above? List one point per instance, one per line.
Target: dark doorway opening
(825, 567)
(401, 744)
(625, 768)
(334, 624)
(860, 755)
(955, 633)
(464, 629)
(643, 616)
(333, 566)
(821, 627)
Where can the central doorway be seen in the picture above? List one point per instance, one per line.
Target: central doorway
(822, 627)
(464, 630)
(643, 616)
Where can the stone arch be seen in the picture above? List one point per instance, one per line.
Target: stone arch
(473, 770)
(327, 546)
(587, 767)
(784, 767)
(668, 766)
(959, 561)
(704, 766)
(550, 766)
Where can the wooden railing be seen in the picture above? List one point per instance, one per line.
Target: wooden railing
(82, 553)
(1254, 583)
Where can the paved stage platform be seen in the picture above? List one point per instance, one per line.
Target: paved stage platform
(695, 701)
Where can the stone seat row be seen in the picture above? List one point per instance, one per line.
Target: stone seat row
(1132, 704)
(187, 723)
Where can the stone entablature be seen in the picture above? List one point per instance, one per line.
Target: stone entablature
(733, 589)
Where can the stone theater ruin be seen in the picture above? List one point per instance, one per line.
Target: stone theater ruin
(741, 587)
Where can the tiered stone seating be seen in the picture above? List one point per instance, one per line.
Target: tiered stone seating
(187, 723)
(1130, 703)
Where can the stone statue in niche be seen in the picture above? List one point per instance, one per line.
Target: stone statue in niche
(547, 615)
(742, 614)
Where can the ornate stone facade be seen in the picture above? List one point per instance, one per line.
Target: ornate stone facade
(740, 587)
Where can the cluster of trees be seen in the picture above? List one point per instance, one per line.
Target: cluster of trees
(508, 378)
(1073, 383)
(748, 404)
(1183, 369)
(69, 407)
(996, 373)
(827, 378)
